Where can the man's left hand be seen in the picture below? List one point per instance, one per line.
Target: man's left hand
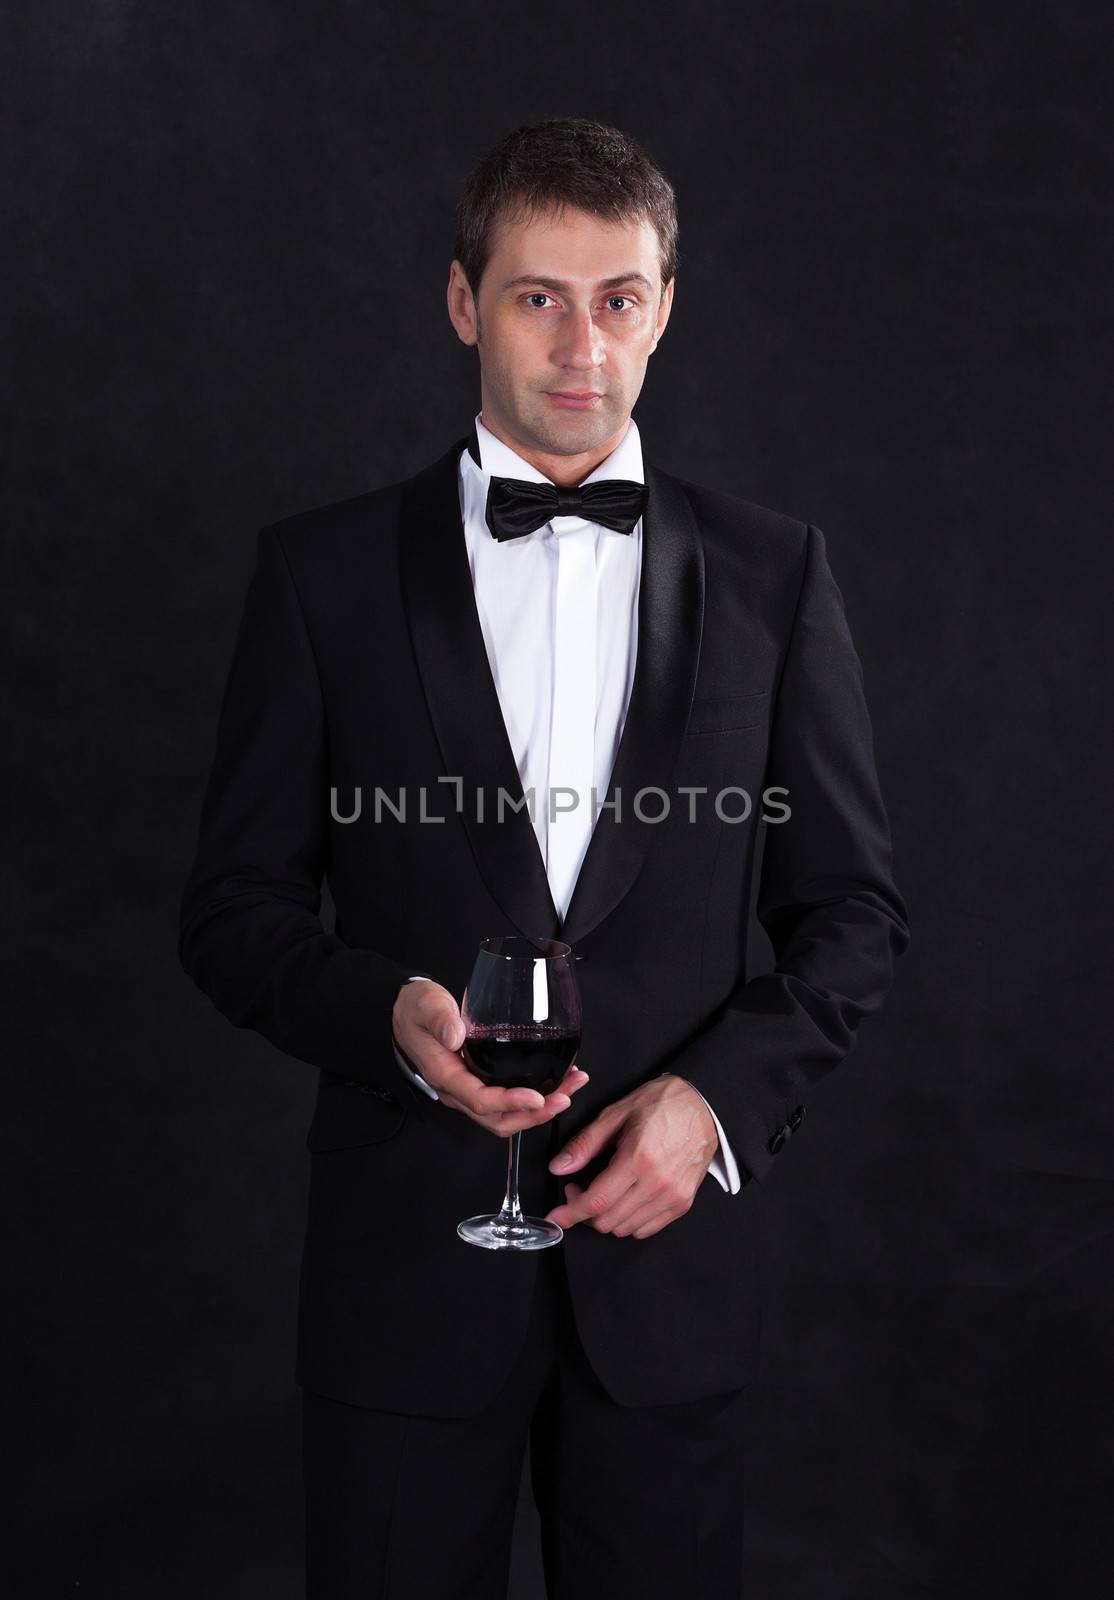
(665, 1139)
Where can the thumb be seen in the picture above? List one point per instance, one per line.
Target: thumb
(587, 1143)
(451, 1032)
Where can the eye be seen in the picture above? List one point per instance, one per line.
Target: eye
(540, 294)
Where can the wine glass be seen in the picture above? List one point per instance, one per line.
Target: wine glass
(522, 1020)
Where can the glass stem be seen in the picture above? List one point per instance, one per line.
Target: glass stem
(511, 1213)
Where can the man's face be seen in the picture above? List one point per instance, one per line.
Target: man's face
(567, 303)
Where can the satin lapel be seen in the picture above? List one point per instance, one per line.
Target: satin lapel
(670, 620)
(463, 701)
(468, 720)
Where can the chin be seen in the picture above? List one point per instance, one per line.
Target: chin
(575, 431)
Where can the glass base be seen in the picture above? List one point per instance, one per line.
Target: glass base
(527, 1233)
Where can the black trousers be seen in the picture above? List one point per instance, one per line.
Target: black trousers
(640, 1502)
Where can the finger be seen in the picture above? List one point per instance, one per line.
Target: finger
(533, 1115)
(547, 1106)
(485, 1099)
(524, 1106)
(589, 1141)
(572, 1193)
(446, 1072)
(566, 1215)
(575, 1078)
(649, 1220)
(519, 1121)
(652, 1212)
(560, 1098)
(555, 1102)
(434, 1049)
(654, 1224)
(602, 1192)
(643, 1197)
(502, 1123)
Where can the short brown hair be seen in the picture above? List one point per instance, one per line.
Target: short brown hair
(564, 161)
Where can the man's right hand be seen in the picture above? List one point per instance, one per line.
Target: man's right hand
(429, 1030)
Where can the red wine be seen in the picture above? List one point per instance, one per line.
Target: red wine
(521, 1055)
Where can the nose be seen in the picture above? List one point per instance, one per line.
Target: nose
(582, 345)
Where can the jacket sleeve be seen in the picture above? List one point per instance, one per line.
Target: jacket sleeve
(250, 934)
(827, 897)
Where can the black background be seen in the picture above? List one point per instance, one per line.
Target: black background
(230, 227)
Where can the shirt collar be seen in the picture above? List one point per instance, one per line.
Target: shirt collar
(498, 459)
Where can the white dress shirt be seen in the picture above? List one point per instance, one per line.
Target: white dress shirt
(559, 612)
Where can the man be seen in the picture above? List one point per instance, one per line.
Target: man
(542, 609)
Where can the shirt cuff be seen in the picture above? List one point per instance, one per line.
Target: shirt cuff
(723, 1166)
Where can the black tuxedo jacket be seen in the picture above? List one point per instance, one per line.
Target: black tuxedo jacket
(360, 663)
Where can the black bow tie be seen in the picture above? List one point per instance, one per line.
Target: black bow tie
(516, 507)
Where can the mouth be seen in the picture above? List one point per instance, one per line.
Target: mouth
(574, 401)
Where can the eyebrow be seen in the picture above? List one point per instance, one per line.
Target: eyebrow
(560, 287)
